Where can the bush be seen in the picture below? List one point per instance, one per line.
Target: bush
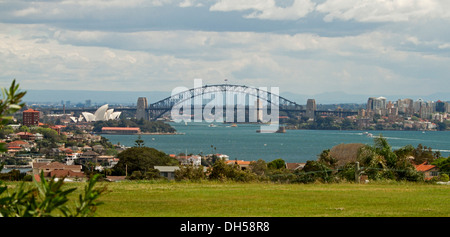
(443, 178)
(222, 171)
(47, 199)
(190, 172)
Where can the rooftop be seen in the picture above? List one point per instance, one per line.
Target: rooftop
(424, 167)
(30, 110)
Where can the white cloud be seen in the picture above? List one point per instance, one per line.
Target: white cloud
(266, 9)
(78, 43)
(384, 10)
(161, 60)
(26, 12)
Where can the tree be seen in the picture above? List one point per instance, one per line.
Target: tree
(10, 103)
(141, 159)
(46, 197)
(316, 170)
(326, 158)
(258, 167)
(443, 164)
(276, 164)
(383, 148)
(441, 126)
(222, 171)
(139, 142)
(24, 129)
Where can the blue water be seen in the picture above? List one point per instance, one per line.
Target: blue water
(244, 143)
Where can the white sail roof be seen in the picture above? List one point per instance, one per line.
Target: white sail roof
(101, 114)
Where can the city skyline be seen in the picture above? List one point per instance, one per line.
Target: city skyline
(370, 48)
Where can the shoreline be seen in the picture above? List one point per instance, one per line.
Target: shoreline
(142, 133)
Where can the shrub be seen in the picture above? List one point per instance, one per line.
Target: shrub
(47, 199)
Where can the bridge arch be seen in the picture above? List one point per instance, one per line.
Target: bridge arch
(163, 106)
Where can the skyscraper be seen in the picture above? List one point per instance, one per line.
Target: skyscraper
(141, 109)
(376, 105)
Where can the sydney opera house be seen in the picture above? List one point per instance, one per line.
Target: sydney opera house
(102, 114)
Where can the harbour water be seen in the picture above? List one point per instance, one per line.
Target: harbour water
(244, 143)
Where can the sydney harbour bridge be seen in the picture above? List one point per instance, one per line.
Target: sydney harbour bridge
(199, 97)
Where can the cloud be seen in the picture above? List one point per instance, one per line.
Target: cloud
(267, 9)
(383, 10)
(45, 57)
(159, 45)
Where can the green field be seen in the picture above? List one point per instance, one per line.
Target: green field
(215, 199)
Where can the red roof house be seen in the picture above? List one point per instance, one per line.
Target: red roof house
(429, 171)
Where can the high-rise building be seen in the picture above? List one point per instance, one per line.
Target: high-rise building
(376, 105)
(30, 117)
(440, 106)
(405, 106)
(141, 109)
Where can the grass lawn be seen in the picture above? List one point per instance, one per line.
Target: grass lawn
(215, 199)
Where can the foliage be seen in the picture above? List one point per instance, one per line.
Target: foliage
(139, 142)
(258, 167)
(328, 160)
(150, 174)
(381, 162)
(318, 171)
(276, 164)
(326, 123)
(141, 159)
(443, 164)
(47, 199)
(190, 172)
(222, 171)
(10, 103)
(424, 154)
(441, 126)
(444, 177)
(13, 175)
(383, 149)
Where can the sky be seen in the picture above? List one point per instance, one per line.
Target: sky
(307, 47)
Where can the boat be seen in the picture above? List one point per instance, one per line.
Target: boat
(369, 135)
(233, 125)
(212, 125)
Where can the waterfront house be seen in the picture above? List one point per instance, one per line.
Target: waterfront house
(429, 171)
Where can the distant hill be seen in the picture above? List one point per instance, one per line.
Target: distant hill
(130, 97)
(96, 97)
